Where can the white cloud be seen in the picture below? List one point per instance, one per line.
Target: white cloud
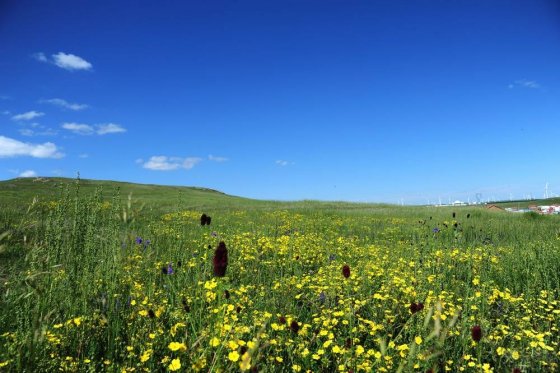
(40, 57)
(282, 163)
(28, 115)
(104, 129)
(100, 129)
(30, 132)
(163, 163)
(70, 62)
(28, 173)
(524, 83)
(79, 128)
(84, 155)
(217, 159)
(190, 162)
(14, 148)
(65, 61)
(26, 132)
(65, 104)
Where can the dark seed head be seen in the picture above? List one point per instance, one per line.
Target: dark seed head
(468, 216)
(476, 333)
(226, 294)
(346, 271)
(282, 320)
(164, 270)
(243, 349)
(179, 263)
(203, 219)
(294, 326)
(413, 308)
(151, 314)
(453, 215)
(238, 309)
(348, 342)
(220, 260)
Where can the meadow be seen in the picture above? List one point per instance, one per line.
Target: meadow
(123, 278)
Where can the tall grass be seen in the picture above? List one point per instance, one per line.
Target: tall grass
(82, 289)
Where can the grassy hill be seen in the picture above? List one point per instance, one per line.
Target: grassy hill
(19, 191)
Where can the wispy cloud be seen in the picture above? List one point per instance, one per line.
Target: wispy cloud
(28, 173)
(84, 155)
(28, 115)
(104, 129)
(14, 148)
(283, 163)
(524, 83)
(79, 128)
(66, 61)
(164, 163)
(86, 129)
(217, 159)
(64, 104)
(40, 56)
(29, 132)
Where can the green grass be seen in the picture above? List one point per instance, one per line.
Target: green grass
(78, 293)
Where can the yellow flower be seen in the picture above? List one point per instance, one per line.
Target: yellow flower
(77, 321)
(175, 365)
(500, 351)
(233, 356)
(145, 356)
(174, 346)
(296, 368)
(245, 363)
(515, 355)
(215, 342)
(336, 350)
(418, 340)
(359, 350)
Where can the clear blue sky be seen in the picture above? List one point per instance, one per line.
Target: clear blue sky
(333, 100)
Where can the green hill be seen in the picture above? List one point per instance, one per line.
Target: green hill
(16, 192)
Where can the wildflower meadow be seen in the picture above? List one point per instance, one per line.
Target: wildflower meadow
(104, 282)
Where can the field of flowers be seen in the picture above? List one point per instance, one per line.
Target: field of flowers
(104, 287)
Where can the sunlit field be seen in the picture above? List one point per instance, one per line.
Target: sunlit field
(93, 282)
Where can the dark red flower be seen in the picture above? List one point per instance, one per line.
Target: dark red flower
(476, 333)
(203, 219)
(413, 308)
(419, 306)
(220, 260)
(282, 320)
(294, 326)
(226, 294)
(346, 271)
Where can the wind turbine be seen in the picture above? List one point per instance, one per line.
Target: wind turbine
(546, 190)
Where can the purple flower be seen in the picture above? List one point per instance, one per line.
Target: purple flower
(138, 240)
(169, 269)
(435, 230)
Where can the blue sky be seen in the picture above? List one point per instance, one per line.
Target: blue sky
(381, 101)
